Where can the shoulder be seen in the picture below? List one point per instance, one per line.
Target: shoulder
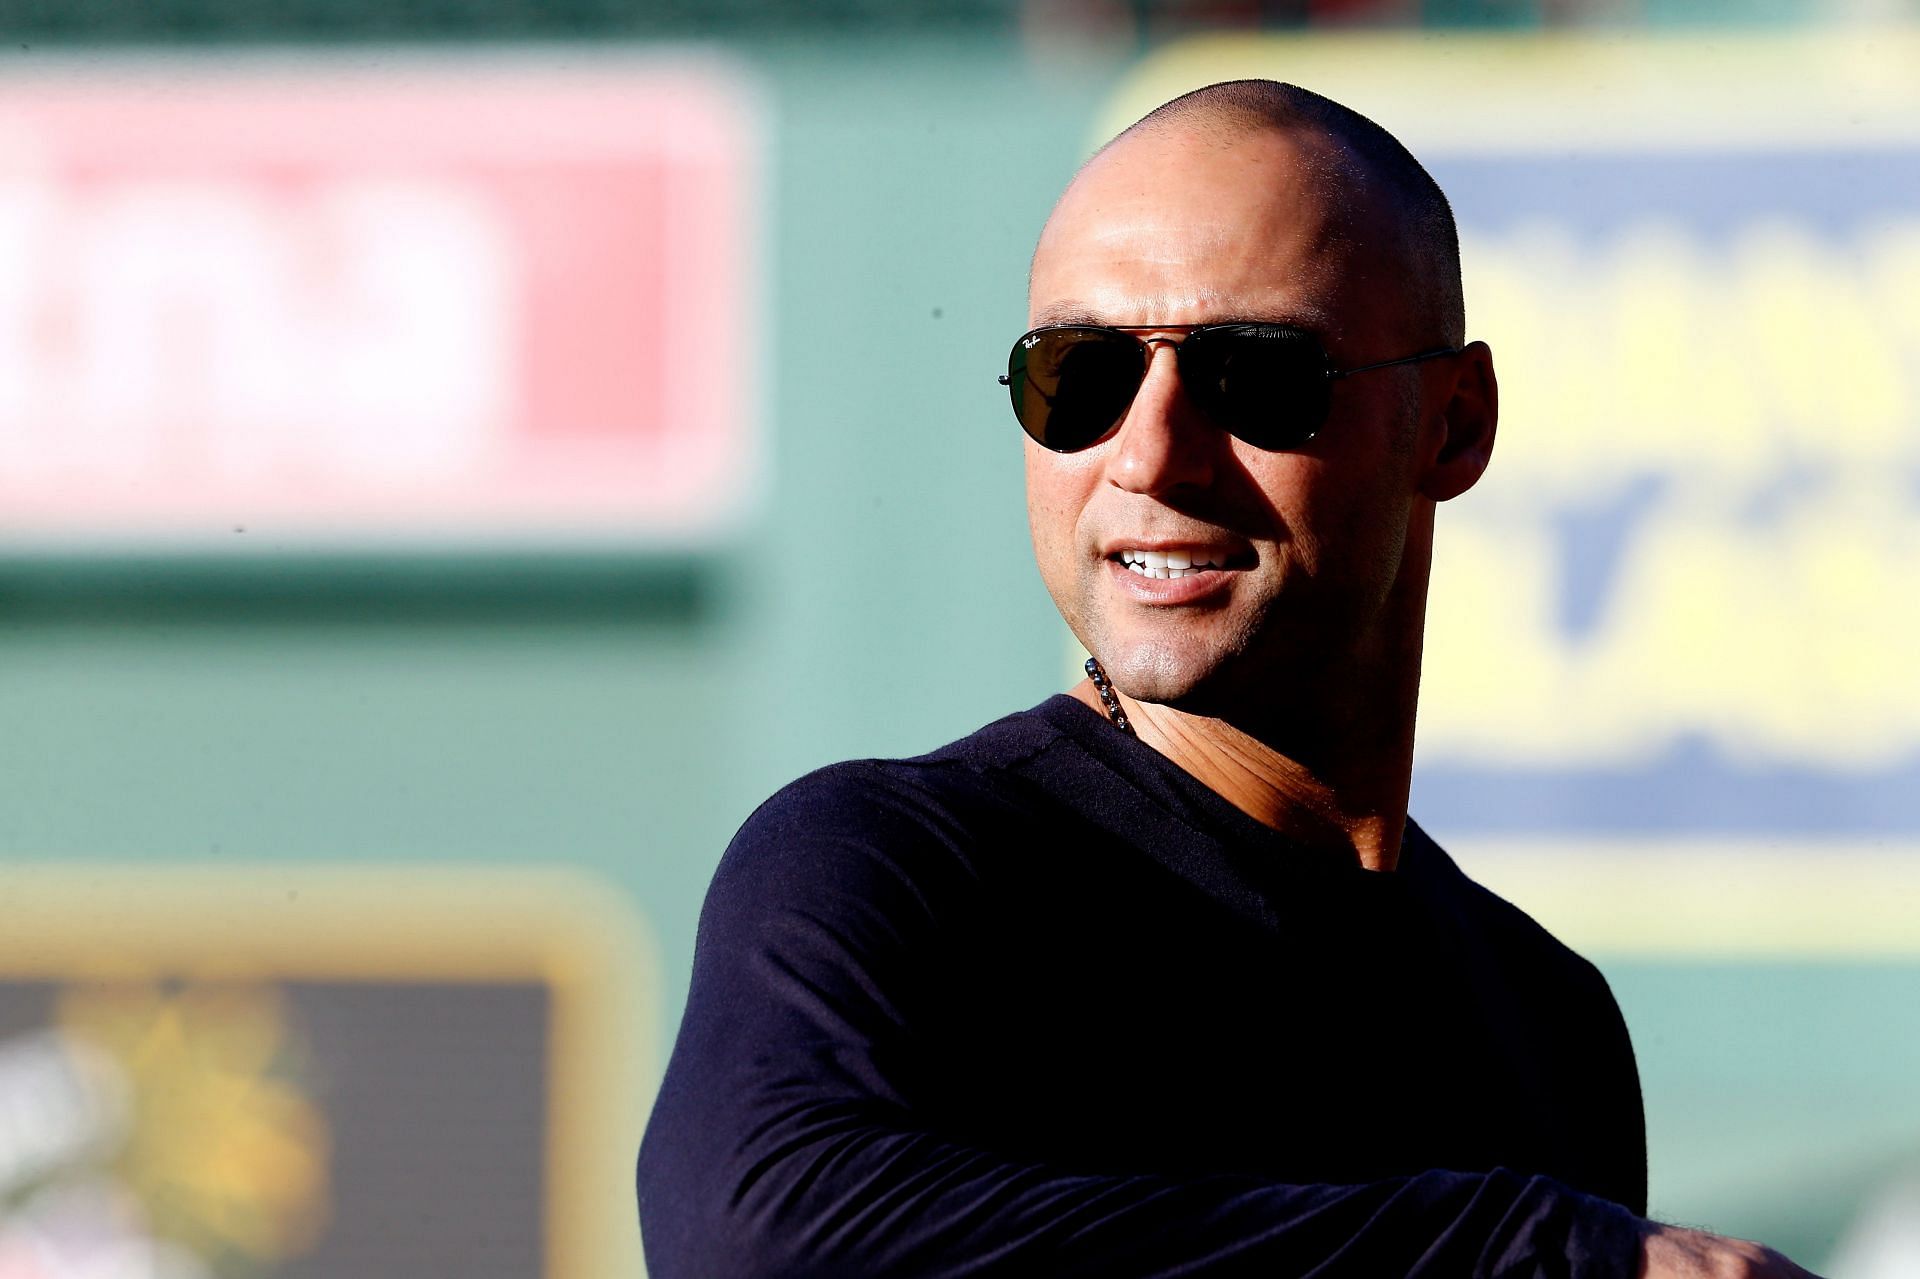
(977, 771)
(1571, 1014)
(1517, 940)
(896, 813)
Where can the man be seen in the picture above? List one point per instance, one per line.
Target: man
(1158, 978)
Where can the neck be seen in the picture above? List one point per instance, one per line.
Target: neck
(1329, 762)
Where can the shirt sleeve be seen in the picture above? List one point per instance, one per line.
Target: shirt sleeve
(786, 1141)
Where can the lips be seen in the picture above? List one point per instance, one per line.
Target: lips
(1167, 572)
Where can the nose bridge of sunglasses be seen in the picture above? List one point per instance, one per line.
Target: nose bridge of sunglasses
(1151, 350)
(1190, 365)
(1162, 394)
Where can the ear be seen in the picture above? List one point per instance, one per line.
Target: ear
(1458, 452)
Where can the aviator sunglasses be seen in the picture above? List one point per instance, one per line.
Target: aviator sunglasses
(1267, 384)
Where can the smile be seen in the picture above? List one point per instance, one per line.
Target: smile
(1171, 564)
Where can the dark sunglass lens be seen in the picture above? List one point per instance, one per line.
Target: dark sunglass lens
(1072, 386)
(1267, 385)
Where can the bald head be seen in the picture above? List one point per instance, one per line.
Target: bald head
(1370, 186)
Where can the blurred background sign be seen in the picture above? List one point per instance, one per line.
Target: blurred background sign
(308, 1072)
(509, 302)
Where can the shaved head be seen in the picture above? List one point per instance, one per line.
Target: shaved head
(1255, 202)
(1369, 181)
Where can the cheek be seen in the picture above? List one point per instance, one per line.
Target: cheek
(1051, 525)
(1359, 539)
(1339, 519)
(1056, 500)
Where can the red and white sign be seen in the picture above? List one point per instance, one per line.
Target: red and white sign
(491, 301)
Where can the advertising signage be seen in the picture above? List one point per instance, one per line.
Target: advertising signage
(338, 301)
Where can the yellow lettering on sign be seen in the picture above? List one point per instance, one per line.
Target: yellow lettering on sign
(1703, 517)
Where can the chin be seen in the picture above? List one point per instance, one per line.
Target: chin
(1148, 671)
(1219, 673)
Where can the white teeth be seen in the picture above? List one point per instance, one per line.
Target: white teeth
(1167, 564)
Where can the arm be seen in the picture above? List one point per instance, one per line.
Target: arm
(786, 1140)
(1675, 1252)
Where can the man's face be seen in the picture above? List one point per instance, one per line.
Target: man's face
(1311, 545)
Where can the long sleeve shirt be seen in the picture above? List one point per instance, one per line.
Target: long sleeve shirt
(1042, 1003)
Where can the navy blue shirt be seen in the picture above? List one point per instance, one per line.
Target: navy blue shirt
(1042, 1003)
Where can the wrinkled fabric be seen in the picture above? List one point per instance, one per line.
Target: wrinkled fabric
(1042, 1003)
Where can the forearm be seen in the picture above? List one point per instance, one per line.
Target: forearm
(826, 1196)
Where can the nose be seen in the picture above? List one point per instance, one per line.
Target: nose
(1164, 444)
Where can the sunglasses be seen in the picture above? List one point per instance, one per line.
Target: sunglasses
(1267, 384)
